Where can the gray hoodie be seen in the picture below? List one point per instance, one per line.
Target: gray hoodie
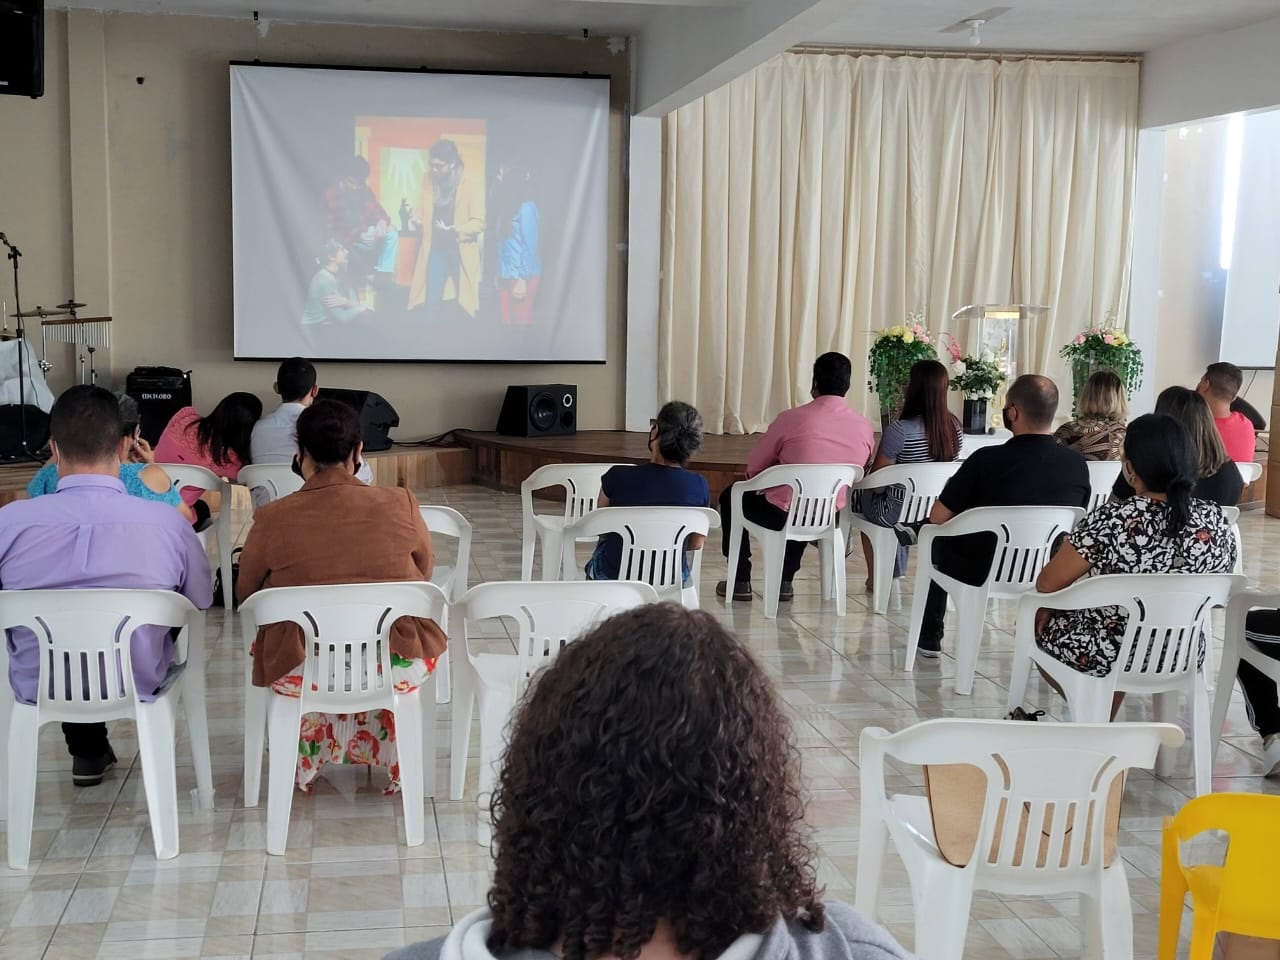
(847, 936)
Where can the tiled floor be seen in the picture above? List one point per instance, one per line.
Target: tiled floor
(349, 888)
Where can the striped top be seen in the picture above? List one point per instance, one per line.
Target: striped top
(904, 441)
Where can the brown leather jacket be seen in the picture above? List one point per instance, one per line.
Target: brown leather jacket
(336, 530)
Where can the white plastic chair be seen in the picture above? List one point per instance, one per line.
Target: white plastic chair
(1236, 648)
(447, 522)
(189, 475)
(581, 483)
(1233, 518)
(652, 546)
(812, 516)
(1168, 613)
(1250, 471)
(548, 616)
(969, 442)
(1102, 477)
(86, 676)
(1024, 538)
(924, 482)
(269, 481)
(347, 641)
(1049, 782)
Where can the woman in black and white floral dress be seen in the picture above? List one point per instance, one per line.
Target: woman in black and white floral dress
(1160, 529)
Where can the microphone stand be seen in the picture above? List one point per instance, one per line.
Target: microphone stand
(13, 255)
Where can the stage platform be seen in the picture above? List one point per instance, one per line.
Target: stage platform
(417, 468)
(504, 462)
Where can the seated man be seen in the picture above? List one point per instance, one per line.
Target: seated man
(1029, 468)
(274, 438)
(91, 533)
(824, 430)
(1261, 697)
(1219, 386)
(675, 435)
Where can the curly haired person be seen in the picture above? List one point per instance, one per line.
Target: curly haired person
(649, 806)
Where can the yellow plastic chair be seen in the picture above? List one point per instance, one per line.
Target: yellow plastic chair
(1237, 896)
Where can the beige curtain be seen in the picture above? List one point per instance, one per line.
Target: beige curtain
(821, 197)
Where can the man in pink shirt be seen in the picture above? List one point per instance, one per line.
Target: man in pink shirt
(1219, 387)
(824, 430)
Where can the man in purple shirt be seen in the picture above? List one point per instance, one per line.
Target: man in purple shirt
(90, 533)
(824, 430)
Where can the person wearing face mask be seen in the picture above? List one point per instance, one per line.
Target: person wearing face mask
(675, 435)
(338, 530)
(1031, 468)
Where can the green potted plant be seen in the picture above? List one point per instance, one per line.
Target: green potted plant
(1103, 348)
(978, 378)
(892, 354)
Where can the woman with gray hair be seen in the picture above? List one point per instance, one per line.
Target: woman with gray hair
(675, 435)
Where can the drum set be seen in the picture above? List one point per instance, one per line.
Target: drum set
(63, 324)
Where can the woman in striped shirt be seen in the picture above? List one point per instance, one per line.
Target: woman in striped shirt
(927, 432)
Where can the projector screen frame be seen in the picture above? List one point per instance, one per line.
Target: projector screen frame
(446, 71)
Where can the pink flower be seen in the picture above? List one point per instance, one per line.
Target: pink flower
(916, 328)
(1079, 338)
(1108, 339)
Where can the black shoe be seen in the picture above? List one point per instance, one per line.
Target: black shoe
(1017, 713)
(930, 647)
(88, 771)
(741, 589)
(908, 536)
(786, 591)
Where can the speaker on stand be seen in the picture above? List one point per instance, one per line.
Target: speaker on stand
(22, 48)
(539, 410)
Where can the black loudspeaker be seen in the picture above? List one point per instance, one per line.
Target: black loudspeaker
(377, 416)
(539, 410)
(22, 47)
(11, 415)
(160, 393)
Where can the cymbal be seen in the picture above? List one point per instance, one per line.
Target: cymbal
(71, 305)
(39, 312)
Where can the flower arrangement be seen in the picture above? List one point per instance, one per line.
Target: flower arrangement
(895, 349)
(1104, 348)
(978, 378)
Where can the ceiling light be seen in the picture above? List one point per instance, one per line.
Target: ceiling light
(975, 38)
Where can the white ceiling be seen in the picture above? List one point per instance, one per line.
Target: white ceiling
(1079, 25)
(543, 16)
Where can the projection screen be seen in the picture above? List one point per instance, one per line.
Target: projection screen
(396, 215)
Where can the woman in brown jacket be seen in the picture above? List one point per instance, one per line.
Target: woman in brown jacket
(338, 530)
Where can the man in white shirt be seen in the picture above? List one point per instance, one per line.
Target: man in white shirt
(274, 438)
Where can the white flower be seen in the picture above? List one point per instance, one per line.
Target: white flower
(958, 368)
(988, 356)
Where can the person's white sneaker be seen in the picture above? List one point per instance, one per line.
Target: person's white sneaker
(1271, 755)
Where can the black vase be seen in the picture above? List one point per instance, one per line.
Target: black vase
(975, 415)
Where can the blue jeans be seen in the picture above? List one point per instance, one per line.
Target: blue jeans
(385, 247)
(444, 263)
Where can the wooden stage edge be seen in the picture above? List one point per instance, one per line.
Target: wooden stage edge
(504, 462)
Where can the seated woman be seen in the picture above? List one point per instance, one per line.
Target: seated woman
(926, 432)
(675, 435)
(141, 476)
(1160, 529)
(660, 819)
(218, 442)
(1097, 432)
(1217, 479)
(338, 530)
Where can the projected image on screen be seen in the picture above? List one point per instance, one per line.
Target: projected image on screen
(388, 227)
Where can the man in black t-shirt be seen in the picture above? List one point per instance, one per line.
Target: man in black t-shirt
(1030, 469)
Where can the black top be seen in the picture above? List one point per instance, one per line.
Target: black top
(1223, 488)
(1030, 469)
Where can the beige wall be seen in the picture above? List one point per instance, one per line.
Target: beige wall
(121, 192)
(1189, 316)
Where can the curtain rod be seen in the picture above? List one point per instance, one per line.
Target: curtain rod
(948, 54)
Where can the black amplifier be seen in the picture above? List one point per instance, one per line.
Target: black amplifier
(160, 392)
